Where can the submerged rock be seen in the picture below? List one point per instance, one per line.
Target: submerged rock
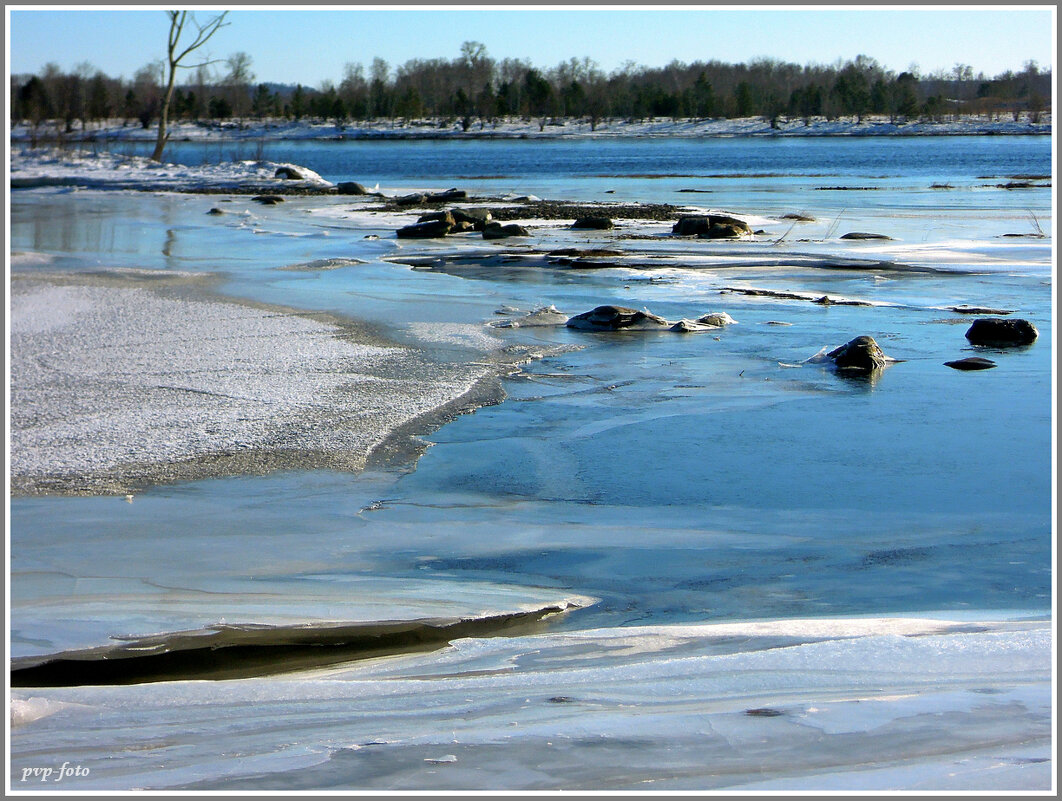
(268, 200)
(862, 235)
(966, 309)
(862, 354)
(613, 318)
(972, 363)
(993, 332)
(215, 210)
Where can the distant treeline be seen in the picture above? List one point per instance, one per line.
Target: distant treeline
(476, 89)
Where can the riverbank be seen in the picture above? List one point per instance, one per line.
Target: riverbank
(117, 131)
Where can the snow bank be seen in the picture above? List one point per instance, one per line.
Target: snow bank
(57, 167)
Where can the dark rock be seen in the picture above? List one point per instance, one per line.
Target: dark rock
(612, 318)
(764, 712)
(448, 195)
(597, 223)
(424, 230)
(979, 310)
(290, 173)
(862, 353)
(711, 226)
(437, 216)
(351, 188)
(798, 217)
(415, 199)
(862, 235)
(993, 332)
(478, 218)
(972, 363)
(215, 210)
(499, 231)
(585, 253)
(268, 200)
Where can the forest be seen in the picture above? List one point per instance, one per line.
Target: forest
(475, 89)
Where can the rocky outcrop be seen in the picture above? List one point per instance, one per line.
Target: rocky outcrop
(996, 333)
(615, 318)
(861, 354)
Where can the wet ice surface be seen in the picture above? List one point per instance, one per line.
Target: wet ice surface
(914, 704)
(677, 478)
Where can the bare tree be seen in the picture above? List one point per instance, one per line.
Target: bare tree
(175, 54)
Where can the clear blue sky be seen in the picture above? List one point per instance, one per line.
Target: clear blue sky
(310, 46)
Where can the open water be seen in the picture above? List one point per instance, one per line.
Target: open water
(680, 480)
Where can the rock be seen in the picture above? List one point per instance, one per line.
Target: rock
(437, 216)
(215, 210)
(424, 230)
(416, 199)
(862, 354)
(613, 318)
(597, 223)
(478, 218)
(351, 188)
(498, 231)
(685, 326)
(581, 253)
(797, 217)
(717, 319)
(449, 194)
(268, 200)
(972, 363)
(993, 332)
(290, 173)
(711, 226)
(965, 309)
(862, 235)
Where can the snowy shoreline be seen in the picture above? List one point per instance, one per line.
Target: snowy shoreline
(116, 132)
(154, 387)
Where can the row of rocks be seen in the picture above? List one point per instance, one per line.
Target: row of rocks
(616, 318)
(859, 355)
(455, 221)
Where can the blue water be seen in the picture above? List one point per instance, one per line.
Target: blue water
(955, 158)
(676, 478)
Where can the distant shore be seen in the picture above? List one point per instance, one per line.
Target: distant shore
(549, 129)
